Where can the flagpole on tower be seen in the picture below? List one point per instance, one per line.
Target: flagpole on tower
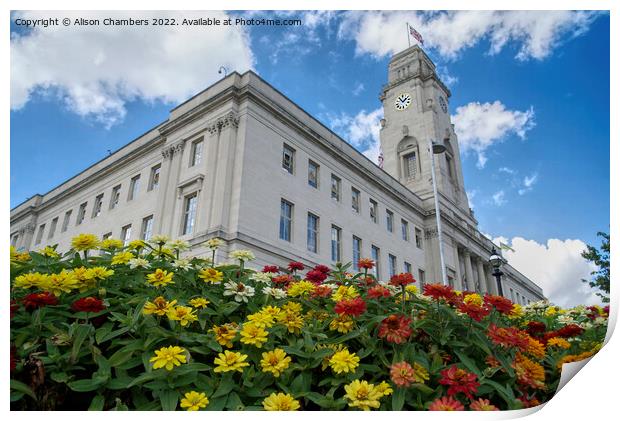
(408, 38)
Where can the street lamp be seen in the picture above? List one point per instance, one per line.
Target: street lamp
(436, 149)
(224, 70)
(497, 262)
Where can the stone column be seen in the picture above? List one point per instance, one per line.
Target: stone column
(482, 279)
(168, 194)
(25, 236)
(492, 282)
(457, 264)
(469, 273)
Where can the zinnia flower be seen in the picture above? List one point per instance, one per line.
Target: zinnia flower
(293, 266)
(322, 268)
(402, 279)
(193, 401)
(214, 243)
(276, 293)
(344, 362)
(280, 402)
(343, 324)
(169, 357)
(501, 304)
(39, 299)
(365, 263)
(508, 337)
(402, 374)
(111, 243)
(251, 334)
(184, 315)
(395, 329)
(230, 361)
(275, 362)
(238, 290)
(345, 293)
(475, 311)
(446, 403)
(88, 305)
(301, 288)
(482, 405)
(316, 276)
(355, 307)
(30, 280)
(459, 380)
(138, 262)
(242, 255)
(528, 372)
(271, 269)
(83, 242)
(158, 306)
(160, 278)
(363, 395)
(378, 291)
(199, 302)
(225, 334)
(211, 275)
(569, 331)
(438, 292)
(122, 258)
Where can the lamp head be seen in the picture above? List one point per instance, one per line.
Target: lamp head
(495, 259)
(438, 148)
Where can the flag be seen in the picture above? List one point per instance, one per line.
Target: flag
(416, 35)
(503, 246)
(380, 159)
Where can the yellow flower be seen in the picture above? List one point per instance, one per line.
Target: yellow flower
(384, 388)
(185, 315)
(193, 401)
(345, 293)
(275, 362)
(111, 243)
(535, 348)
(84, 242)
(230, 361)
(517, 311)
(559, 342)
(344, 362)
(136, 245)
(473, 299)
(292, 307)
(261, 319)
(211, 275)
(292, 320)
(30, 280)
(225, 334)
(199, 302)
(280, 402)
(163, 252)
(49, 252)
(57, 283)
(122, 258)
(342, 323)
(100, 273)
(159, 306)
(214, 243)
(420, 373)
(253, 335)
(333, 347)
(271, 310)
(552, 310)
(301, 288)
(85, 277)
(168, 357)
(363, 395)
(160, 278)
(16, 256)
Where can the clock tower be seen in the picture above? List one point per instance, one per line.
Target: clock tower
(415, 109)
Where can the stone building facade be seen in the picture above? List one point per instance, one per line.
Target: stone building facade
(242, 162)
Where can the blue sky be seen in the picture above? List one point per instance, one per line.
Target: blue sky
(541, 87)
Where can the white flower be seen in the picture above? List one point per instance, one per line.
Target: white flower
(565, 319)
(393, 289)
(243, 255)
(239, 290)
(138, 262)
(159, 239)
(600, 321)
(264, 278)
(180, 245)
(214, 243)
(275, 292)
(182, 264)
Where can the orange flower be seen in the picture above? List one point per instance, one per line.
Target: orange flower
(482, 405)
(402, 374)
(529, 373)
(446, 404)
(535, 349)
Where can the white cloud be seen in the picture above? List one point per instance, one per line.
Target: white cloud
(96, 70)
(507, 170)
(528, 183)
(361, 130)
(535, 33)
(358, 89)
(470, 197)
(479, 126)
(556, 266)
(499, 198)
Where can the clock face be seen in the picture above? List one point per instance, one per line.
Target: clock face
(402, 101)
(443, 105)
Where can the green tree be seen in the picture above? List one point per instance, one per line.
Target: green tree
(600, 277)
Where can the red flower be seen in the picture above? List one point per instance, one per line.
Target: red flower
(39, 299)
(354, 307)
(534, 328)
(88, 304)
(315, 276)
(459, 380)
(508, 337)
(446, 403)
(378, 291)
(282, 280)
(322, 291)
(322, 268)
(438, 291)
(402, 279)
(271, 269)
(474, 311)
(606, 311)
(14, 307)
(365, 263)
(395, 329)
(501, 304)
(569, 331)
(293, 266)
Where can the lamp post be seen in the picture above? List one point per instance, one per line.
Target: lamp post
(224, 70)
(436, 149)
(497, 262)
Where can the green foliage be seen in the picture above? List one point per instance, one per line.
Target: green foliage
(600, 277)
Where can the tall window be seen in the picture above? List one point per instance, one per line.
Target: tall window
(336, 243)
(126, 234)
(418, 238)
(421, 277)
(389, 220)
(376, 256)
(392, 261)
(147, 228)
(116, 197)
(65, 221)
(81, 213)
(313, 232)
(288, 158)
(134, 186)
(405, 229)
(357, 250)
(411, 165)
(286, 220)
(512, 295)
(106, 236)
(373, 211)
(98, 205)
(154, 177)
(40, 234)
(196, 153)
(407, 267)
(335, 188)
(53, 228)
(449, 166)
(355, 200)
(313, 174)
(189, 214)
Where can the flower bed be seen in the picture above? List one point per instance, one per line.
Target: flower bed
(137, 327)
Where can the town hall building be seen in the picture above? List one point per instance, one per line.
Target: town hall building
(242, 162)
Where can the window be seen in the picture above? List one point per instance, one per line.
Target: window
(97, 206)
(116, 196)
(392, 261)
(373, 211)
(53, 228)
(313, 174)
(106, 236)
(189, 215)
(196, 153)
(407, 267)
(518, 298)
(134, 185)
(126, 234)
(81, 213)
(355, 200)
(286, 220)
(40, 234)
(14, 240)
(336, 243)
(357, 250)
(418, 238)
(449, 165)
(421, 277)
(335, 188)
(389, 220)
(147, 228)
(154, 178)
(288, 159)
(411, 165)
(65, 221)
(376, 256)
(313, 233)
(405, 229)
(512, 295)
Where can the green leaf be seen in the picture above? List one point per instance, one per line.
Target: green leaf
(226, 385)
(113, 335)
(467, 362)
(121, 356)
(145, 377)
(398, 399)
(169, 399)
(22, 388)
(80, 335)
(97, 403)
(234, 402)
(86, 385)
(60, 377)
